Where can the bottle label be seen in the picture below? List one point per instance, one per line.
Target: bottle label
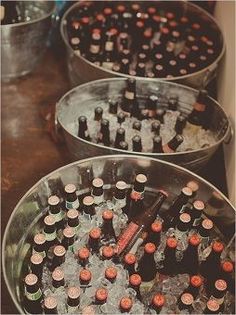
(109, 46)
(50, 236)
(58, 216)
(43, 254)
(199, 107)
(129, 95)
(108, 65)
(126, 237)
(73, 204)
(98, 199)
(94, 49)
(72, 309)
(34, 296)
(197, 221)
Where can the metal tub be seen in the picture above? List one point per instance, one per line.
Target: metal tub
(77, 101)
(23, 44)
(160, 174)
(81, 70)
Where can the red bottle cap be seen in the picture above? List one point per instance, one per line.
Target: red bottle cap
(221, 285)
(50, 302)
(187, 298)
(107, 251)
(39, 239)
(207, 224)
(130, 259)
(196, 281)
(227, 266)
(149, 248)
(194, 240)
(196, 26)
(31, 279)
(213, 305)
(72, 214)
(85, 20)
(95, 233)
(217, 247)
(158, 300)
(120, 8)
(135, 279)
(140, 24)
(170, 15)
(199, 205)
(69, 232)
(58, 274)
(107, 11)
(70, 188)
(96, 32)
(147, 33)
(83, 253)
(113, 31)
(107, 215)
(73, 293)
(184, 19)
(173, 24)
(101, 294)
(171, 242)
(36, 259)
(126, 303)
(100, 17)
(165, 30)
(59, 250)
(111, 273)
(156, 227)
(85, 275)
(151, 10)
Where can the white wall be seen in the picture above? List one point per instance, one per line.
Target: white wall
(225, 15)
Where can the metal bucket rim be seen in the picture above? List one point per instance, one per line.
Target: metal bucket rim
(187, 76)
(44, 16)
(217, 143)
(123, 156)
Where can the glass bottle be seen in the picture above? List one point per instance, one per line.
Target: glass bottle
(33, 294)
(148, 274)
(50, 305)
(73, 219)
(94, 240)
(56, 211)
(71, 199)
(108, 235)
(83, 128)
(134, 282)
(129, 263)
(170, 265)
(73, 300)
(190, 260)
(173, 144)
(97, 190)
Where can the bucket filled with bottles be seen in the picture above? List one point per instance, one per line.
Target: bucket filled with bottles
(121, 234)
(25, 27)
(168, 40)
(158, 119)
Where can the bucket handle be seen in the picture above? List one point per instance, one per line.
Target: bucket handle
(229, 134)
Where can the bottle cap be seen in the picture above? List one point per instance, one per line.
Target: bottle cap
(75, 40)
(187, 191)
(121, 185)
(53, 200)
(196, 281)
(36, 259)
(96, 31)
(171, 242)
(88, 201)
(213, 305)
(85, 275)
(126, 303)
(186, 298)
(85, 20)
(101, 294)
(199, 205)
(111, 272)
(95, 233)
(207, 224)
(185, 218)
(120, 8)
(227, 266)
(88, 310)
(130, 259)
(31, 279)
(151, 10)
(97, 182)
(70, 188)
(217, 247)
(193, 186)
(72, 214)
(83, 253)
(194, 240)
(141, 178)
(59, 250)
(39, 239)
(135, 279)
(58, 274)
(149, 248)
(73, 292)
(107, 251)
(158, 300)
(107, 215)
(69, 232)
(156, 227)
(50, 302)
(221, 285)
(165, 30)
(49, 220)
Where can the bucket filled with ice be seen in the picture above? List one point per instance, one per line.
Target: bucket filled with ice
(121, 234)
(149, 118)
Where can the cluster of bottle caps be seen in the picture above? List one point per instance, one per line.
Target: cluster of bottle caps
(145, 228)
(154, 111)
(141, 39)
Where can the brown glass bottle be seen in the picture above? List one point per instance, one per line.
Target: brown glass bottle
(120, 136)
(134, 282)
(157, 145)
(59, 253)
(73, 300)
(39, 245)
(98, 111)
(180, 124)
(120, 195)
(154, 234)
(50, 232)
(50, 305)
(71, 199)
(88, 207)
(97, 190)
(137, 143)
(107, 253)
(73, 219)
(68, 238)
(33, 294)
(170, 266)
(129, 263)
(104, 135)
(108, 235)
(36, 265)
(83, 128)
(58, 278)
(147, 274)
(56, 211)
(129, 97)
(94, 240)
(173, 144)
(83, 256)
(190, 261)
(195, 284)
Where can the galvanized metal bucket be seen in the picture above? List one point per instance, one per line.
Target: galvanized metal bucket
(78, 100)
(23, 44)
(81, 70)
(160, 174)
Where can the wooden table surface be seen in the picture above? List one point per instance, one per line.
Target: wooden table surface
(28, 150)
